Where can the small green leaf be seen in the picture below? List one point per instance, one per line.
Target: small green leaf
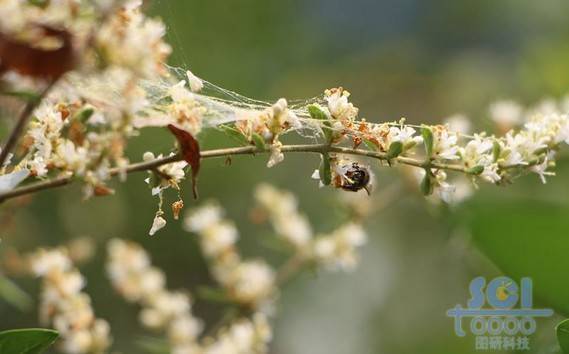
(427, 134)
(13, 295)
(324, 170)
(562, 331)
(409, 145)
(235, 134)
(84, 114)
(27, 341)
(427, 184)
(476, 170)
(316, 112)
(258, 141)
(496, 150)
(395, 149)
(370, 145)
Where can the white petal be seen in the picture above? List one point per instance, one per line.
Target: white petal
(157, 224)
(11, 180)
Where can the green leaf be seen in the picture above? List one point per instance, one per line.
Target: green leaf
(13, 295)
(395, 149)
(26, 341)
(324, 169)
(525, 238)
(370, 145)
(258, 141)
(234, 133)
(496, 150)
(476, 170)
(427, 134)
(562, 331)
(316, 112)
(84, 114)
(427, 184)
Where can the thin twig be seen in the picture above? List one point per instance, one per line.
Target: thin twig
(23, 121)
(289, 269)
(245, 150)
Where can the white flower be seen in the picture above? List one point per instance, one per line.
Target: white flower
(184, 328)
(252, 281)
(44, 262)
(158, 223)
(276, 155)
(175, 170)
(541, 170)
(507, 113)
(458, 123)
(11, 180)
(295, 228)
(71, 157)
(218, 237)
(339, 106)
(196, 84)
(445, 144)
(490, 173)
(446, 192)
(180, 94)
(135, 278)
(282, 207)
(65, 307)
(405, 135)
(316, 175)
(202, 218)
(337, 250)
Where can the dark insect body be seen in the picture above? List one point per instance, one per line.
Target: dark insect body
(356, 178)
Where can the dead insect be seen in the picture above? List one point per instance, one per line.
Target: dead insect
(355, 177)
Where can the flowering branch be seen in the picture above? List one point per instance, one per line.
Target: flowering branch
(244, 150)
(23, 121)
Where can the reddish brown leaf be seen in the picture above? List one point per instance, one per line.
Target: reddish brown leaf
(28, 60)
(190, 150)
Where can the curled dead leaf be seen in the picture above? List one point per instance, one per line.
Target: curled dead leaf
(30, 60)
(190, 150)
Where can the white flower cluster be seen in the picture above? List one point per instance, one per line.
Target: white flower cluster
(245, 336)
(65, 306)
(288, 223)
(81, 128)
(250, 282)
(493, 159)
(131, 40)
(266, 126)
(335, 250)
(134, 277)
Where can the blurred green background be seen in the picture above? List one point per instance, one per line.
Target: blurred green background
(424, 60)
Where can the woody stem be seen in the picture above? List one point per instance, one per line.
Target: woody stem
(244, 150)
